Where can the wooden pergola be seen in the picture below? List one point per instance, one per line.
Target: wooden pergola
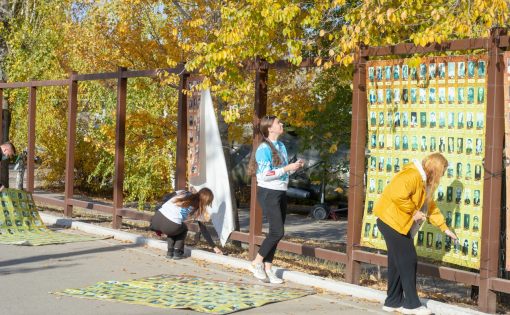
(487, 279)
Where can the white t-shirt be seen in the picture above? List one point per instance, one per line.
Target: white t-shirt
(173, 212)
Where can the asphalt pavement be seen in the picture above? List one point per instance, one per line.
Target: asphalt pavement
(29, 273)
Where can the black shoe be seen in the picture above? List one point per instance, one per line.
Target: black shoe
(169, 254)
(178, 254)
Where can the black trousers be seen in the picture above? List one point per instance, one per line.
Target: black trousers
(274, 205)
(176, 233)
(402, 264)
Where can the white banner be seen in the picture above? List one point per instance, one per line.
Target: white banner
(212, 164)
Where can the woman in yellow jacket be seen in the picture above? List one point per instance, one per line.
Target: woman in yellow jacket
(405, 201)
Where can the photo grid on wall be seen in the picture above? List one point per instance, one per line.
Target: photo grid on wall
(438, 105)
(193, 106)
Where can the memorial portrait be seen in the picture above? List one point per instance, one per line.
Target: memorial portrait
(461, 70)
(378, 73)
(481, 68)
(371, 73)
(481, 95)
(405, 96)
(432, 70)
(405, 119)
(423, 71)
(451, 70)
(478, 172)
(432, 95)
(405, 142)
(441, 73)
(423, 119)
(441, 95)
(387, 73)
(449, 194)
(451, 95)
(396, 72)
(405, 72)
(414, 143)
(441, 120)
(471, 69)
(460, 95)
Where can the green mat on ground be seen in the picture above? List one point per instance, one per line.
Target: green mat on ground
(187, 292)
(20, 223)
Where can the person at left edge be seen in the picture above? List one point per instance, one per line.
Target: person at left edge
(7, 151)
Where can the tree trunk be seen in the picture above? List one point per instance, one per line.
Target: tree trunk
(9, 11)
(4, 106)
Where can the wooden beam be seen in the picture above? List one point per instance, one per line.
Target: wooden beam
(357, 167)
(427, 269)
(493, 168)
(182, 135)
(71, 143)
(260, 109)
(120, 147)
(410, 49)
(31, 139)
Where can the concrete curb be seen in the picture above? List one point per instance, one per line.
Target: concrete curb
(356, 291)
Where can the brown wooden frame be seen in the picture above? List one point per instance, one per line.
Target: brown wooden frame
(122, 75)
(487, 279)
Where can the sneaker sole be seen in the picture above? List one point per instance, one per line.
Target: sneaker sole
(390, 309)
(410, 312)
(276, 282)
(264, 279)
(260, 278)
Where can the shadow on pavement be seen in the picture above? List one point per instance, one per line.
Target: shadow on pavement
(67, 254)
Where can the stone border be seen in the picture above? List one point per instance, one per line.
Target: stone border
(356, 291)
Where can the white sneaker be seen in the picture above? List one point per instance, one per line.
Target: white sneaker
(258, 271)
(273, 278)
(391, 309)
(422, 310)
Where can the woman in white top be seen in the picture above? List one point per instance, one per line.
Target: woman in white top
(271, 166)
(170, 218)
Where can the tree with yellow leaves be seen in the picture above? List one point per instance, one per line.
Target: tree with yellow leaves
(215, 39)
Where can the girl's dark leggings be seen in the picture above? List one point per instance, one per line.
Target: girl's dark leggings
(176, 233)
(274, 206)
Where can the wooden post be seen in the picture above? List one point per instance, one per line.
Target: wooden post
(182, 135)
(261, 78)
(71, 143)
(493, 167)
(31, 139)
(2, 116)
(4, 167)
(357, 165)
(120, 145)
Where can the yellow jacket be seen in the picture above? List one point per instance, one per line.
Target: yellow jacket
(402, 197)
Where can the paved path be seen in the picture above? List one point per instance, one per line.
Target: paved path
(298, 225)
(28, 274)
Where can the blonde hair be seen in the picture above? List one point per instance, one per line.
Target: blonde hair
(434, 166)
(199, 201)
